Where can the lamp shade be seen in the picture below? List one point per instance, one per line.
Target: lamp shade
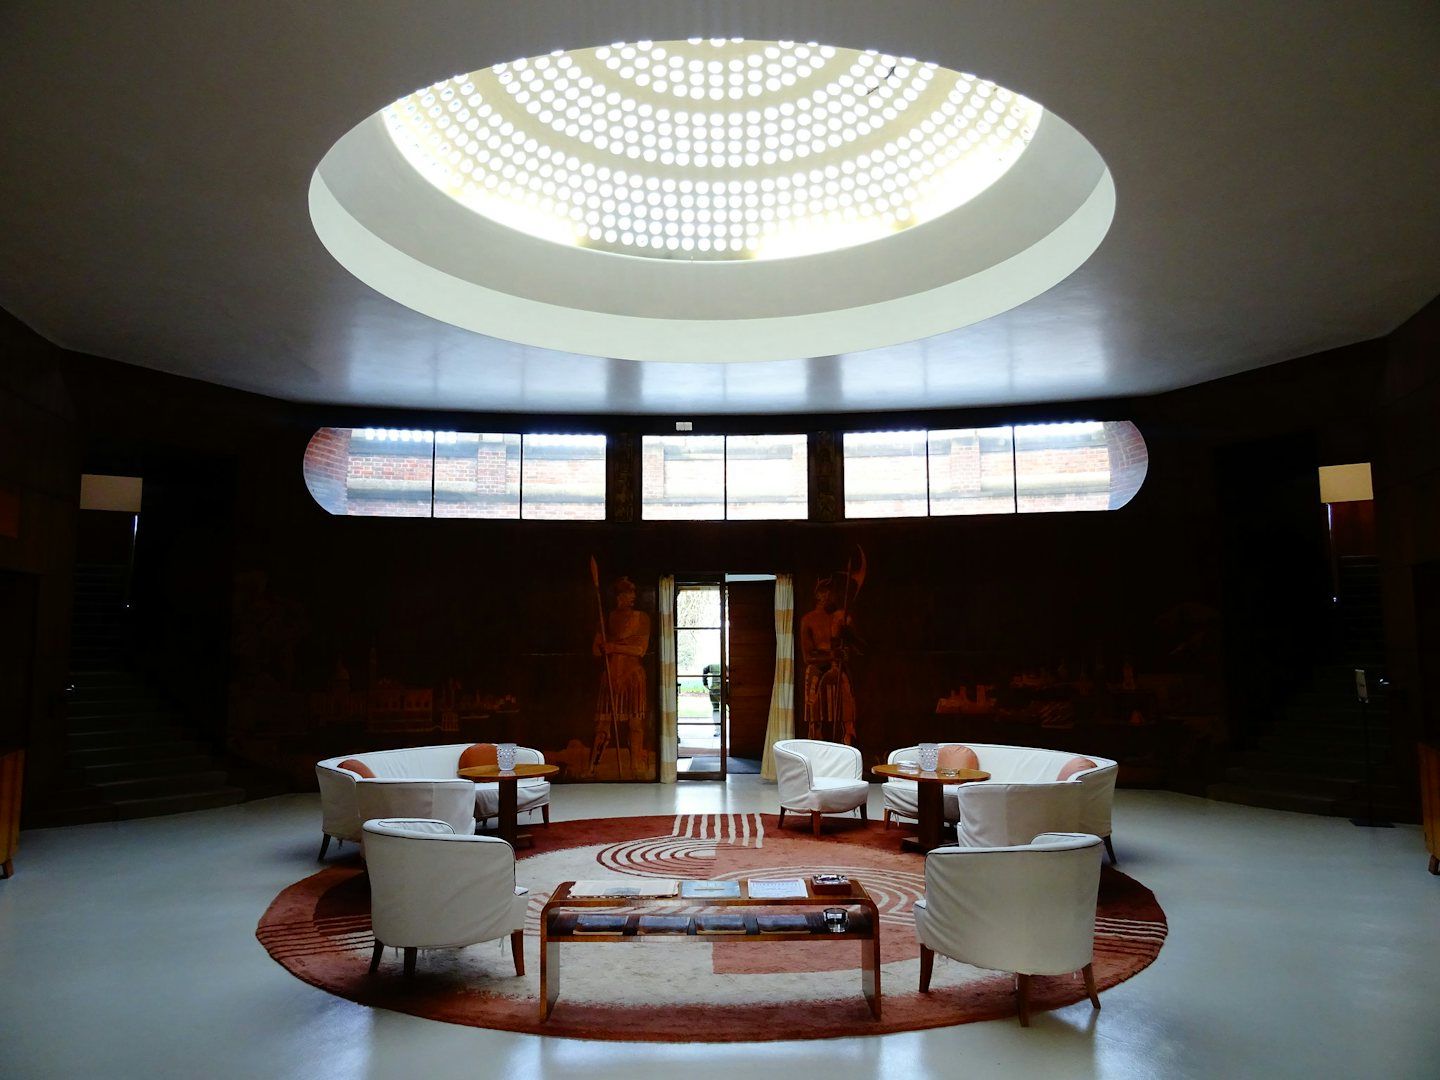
(1345, 483)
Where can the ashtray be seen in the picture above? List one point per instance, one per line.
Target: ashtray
(909, 766)
(830, 885)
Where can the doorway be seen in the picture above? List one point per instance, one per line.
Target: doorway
(724, 672)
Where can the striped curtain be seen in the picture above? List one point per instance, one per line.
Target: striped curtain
(669, 705)
(782, 694)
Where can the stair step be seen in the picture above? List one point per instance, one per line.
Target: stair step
(1332, 787)
(122, 738)
(52, 817)
(130, 702)
(1317, 725)
(184, 783)
(1245, 795)
(104, 682)
(99, 695)
(126, 754)
(178, 804)
(79, 813)
(1389, 804)
(1316, 756)
(112, 771)
(122, 721)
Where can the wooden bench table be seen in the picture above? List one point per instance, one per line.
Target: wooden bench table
(558, 918)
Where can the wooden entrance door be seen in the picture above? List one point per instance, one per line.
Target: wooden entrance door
(751, 657)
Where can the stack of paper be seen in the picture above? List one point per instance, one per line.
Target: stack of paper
(719, 890)
(626, 887)
(777, 889)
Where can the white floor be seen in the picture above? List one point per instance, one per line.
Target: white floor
(1299, 947)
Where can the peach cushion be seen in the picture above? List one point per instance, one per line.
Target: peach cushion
(481, 753)
(957, 756)
(1074, 765)
(358, 767)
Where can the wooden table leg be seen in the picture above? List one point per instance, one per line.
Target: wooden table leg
(509, 801)
(930, 809)
(549, 970)
(870, 965)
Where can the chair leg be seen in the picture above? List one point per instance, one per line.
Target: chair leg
(410, 961)
(1089, 972)
(927, 966)
(887, 817)
(517, 951)
(864, 812)
(324, 847)
(545, 814)
(1022, 996)
(781, 823)
(1435, 864)
(815, 821)
(1109, 847)
(375, 956)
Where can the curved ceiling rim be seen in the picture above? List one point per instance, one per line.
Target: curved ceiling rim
(410, 242)
(999, 288)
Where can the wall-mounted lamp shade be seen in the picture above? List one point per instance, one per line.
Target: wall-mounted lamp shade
(1345, 483)
(110, 492)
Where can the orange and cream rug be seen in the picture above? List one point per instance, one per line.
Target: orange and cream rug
(659, 989)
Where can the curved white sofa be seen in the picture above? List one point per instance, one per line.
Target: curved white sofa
(416, 782)
(1024, 767)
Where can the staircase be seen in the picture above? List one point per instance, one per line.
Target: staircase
(130, 755)
(130, 752)
(99, 633)
(1360, 629)
(1313, 759)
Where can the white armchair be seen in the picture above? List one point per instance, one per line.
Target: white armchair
(1027, 908)
(1003, 815)
(434, 888)
(818, 778)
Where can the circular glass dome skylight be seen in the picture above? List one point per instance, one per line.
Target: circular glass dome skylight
(713, 149)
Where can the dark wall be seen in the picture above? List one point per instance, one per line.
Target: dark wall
(297, 634)
(1407, 501)
(39, 494)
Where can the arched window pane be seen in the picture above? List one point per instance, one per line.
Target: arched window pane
(371, 472)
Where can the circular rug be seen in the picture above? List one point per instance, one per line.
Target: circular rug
(691, 990)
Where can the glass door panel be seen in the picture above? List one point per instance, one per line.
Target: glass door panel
(700, 679)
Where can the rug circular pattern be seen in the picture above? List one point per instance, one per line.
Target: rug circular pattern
(691, 990)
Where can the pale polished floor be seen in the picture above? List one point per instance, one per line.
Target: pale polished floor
(1299, 947)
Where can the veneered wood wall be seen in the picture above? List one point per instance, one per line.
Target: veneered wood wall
(277, 624)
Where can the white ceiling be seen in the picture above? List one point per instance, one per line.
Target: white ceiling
(1275, 167)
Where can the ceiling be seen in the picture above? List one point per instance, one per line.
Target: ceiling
(1274, 164)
